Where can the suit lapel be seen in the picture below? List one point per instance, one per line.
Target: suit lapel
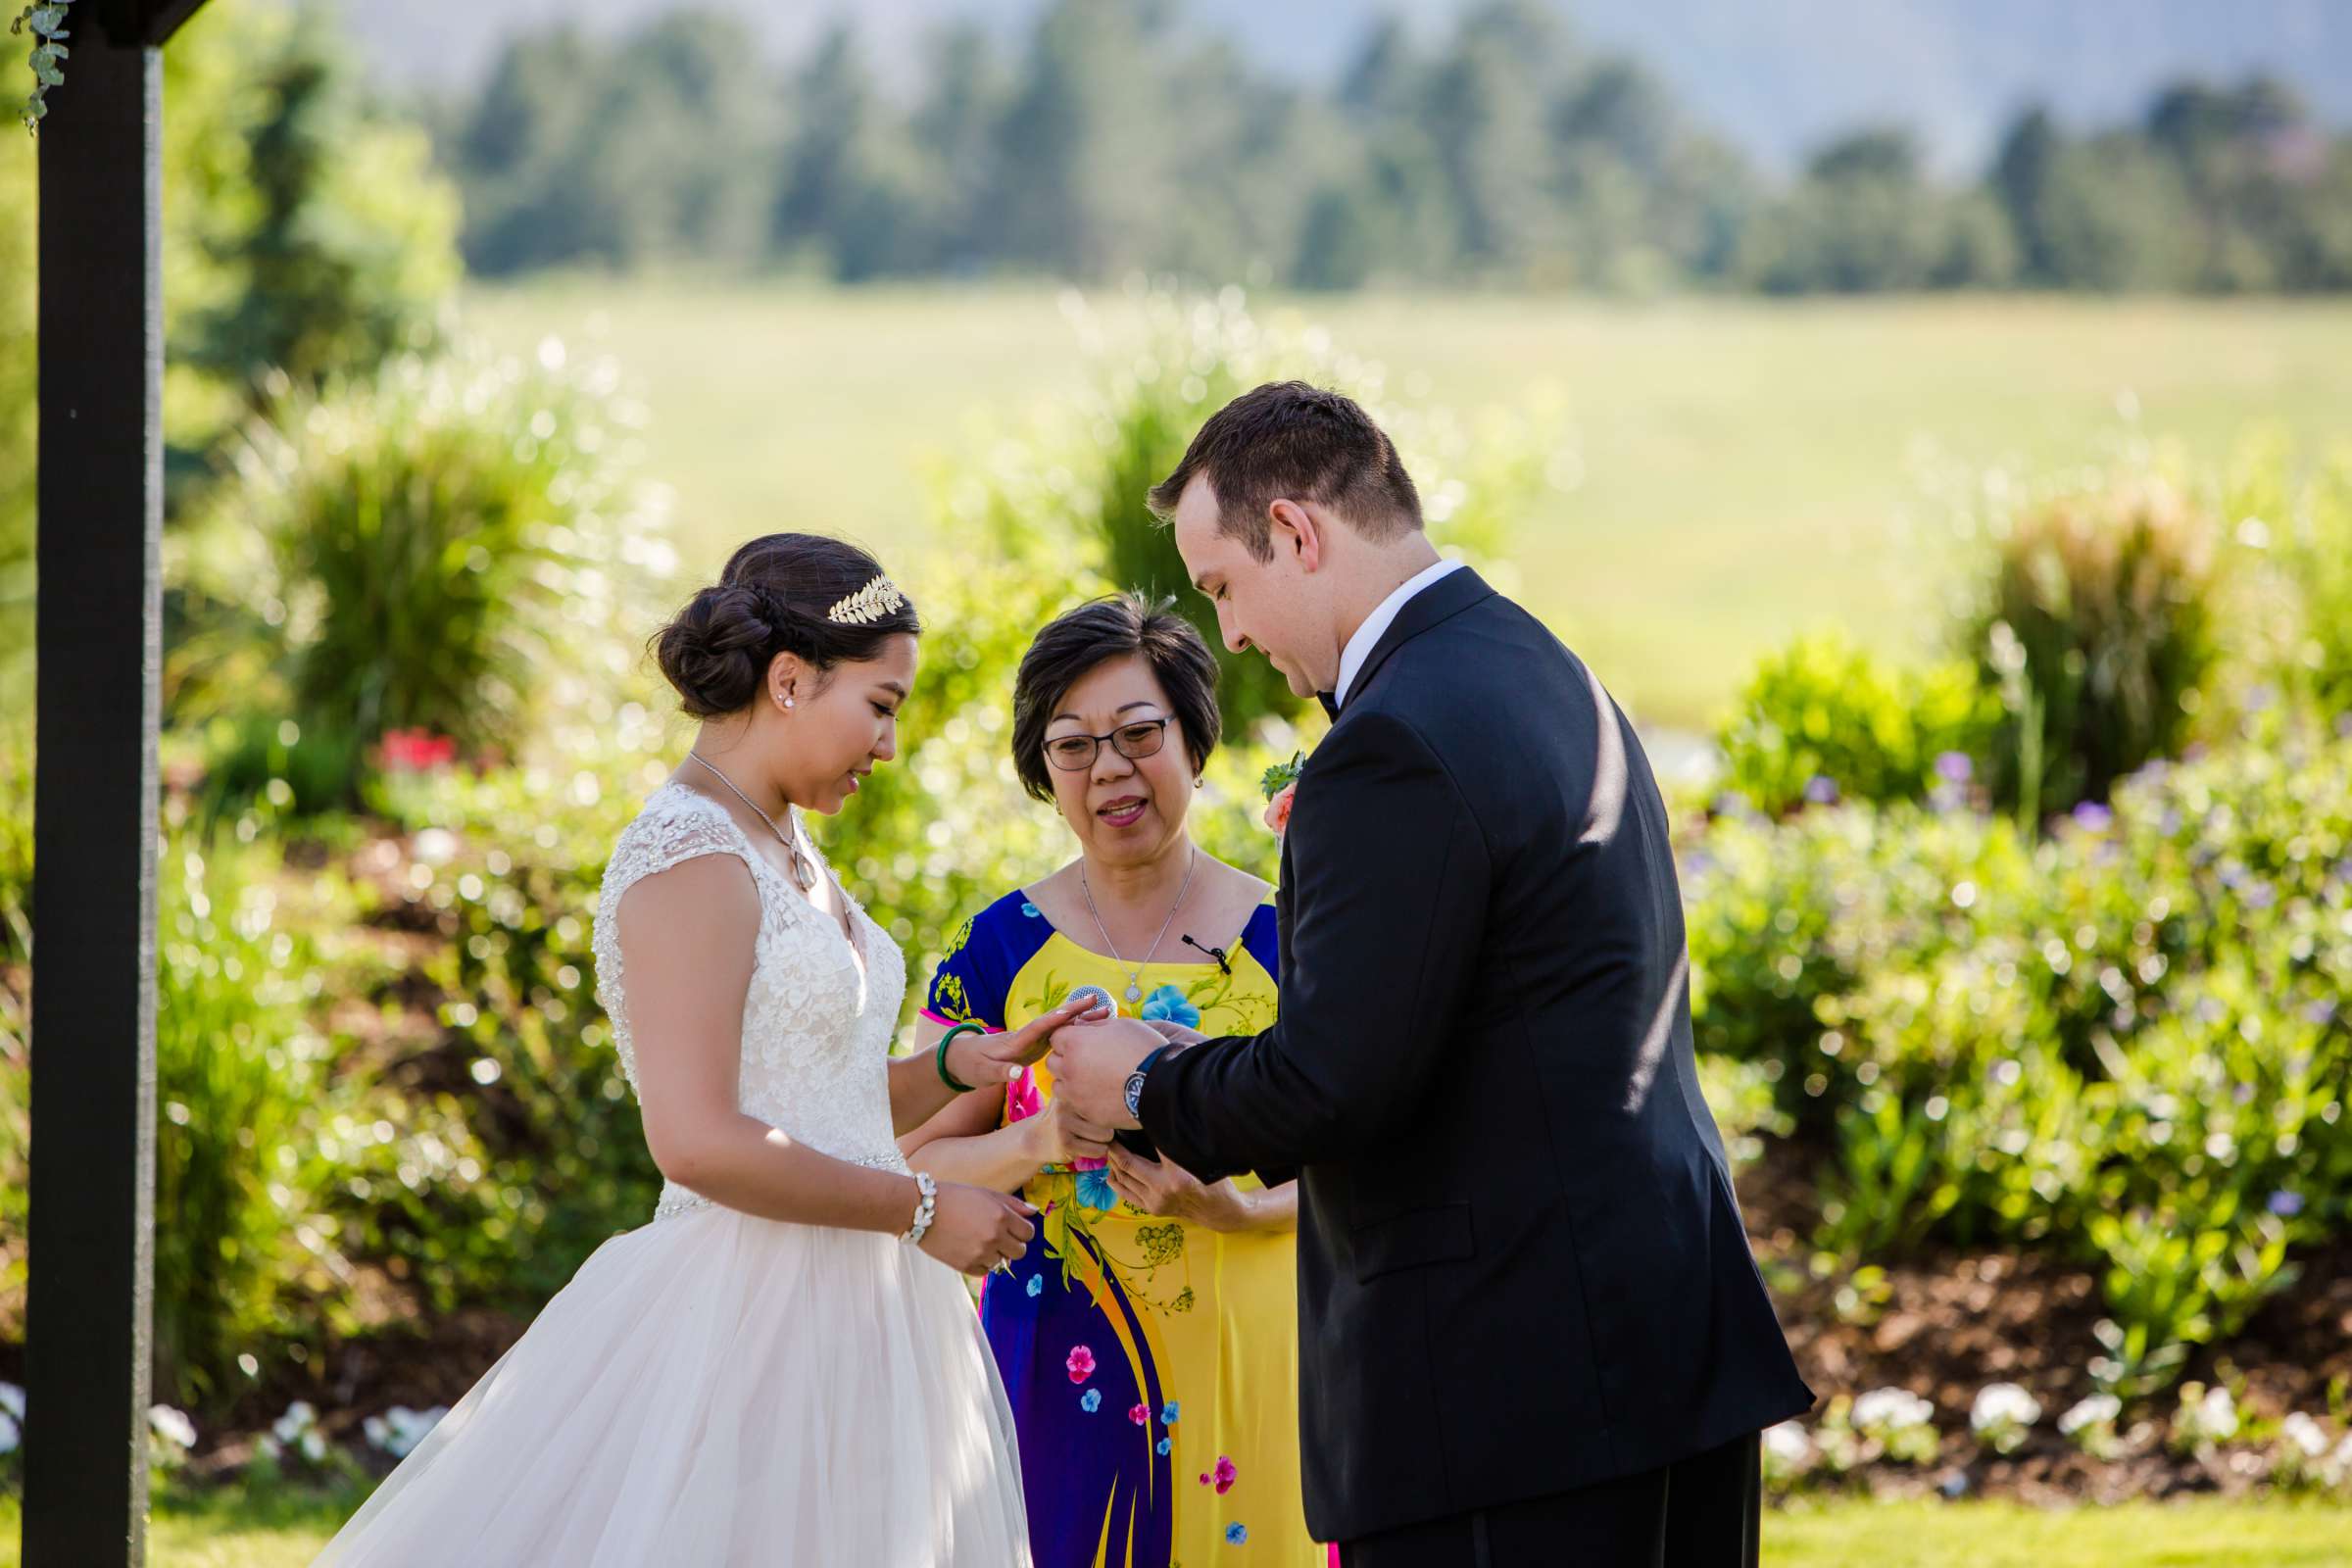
(1439, 601)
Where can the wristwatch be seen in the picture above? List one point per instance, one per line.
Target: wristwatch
(1134, 1083)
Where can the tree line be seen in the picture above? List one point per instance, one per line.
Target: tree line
(1112, 138)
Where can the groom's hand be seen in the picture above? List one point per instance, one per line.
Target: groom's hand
(1091, 1063)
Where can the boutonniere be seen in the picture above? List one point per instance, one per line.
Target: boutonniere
(1280, 784)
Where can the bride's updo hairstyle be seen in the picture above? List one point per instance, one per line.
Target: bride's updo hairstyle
(787, 593)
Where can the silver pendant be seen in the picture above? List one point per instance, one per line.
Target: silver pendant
(1135, 993)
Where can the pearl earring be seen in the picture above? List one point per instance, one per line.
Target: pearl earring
(783, 701)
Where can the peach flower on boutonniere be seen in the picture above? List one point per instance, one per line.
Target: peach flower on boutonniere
(1281, 784)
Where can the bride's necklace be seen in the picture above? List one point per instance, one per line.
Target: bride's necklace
(1135, 974)
(804, 875)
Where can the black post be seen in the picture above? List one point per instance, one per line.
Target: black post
(90, 1226)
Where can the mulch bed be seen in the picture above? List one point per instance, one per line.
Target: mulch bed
(1948, 1323)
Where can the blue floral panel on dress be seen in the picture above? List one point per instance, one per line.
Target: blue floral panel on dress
(1168, 1005)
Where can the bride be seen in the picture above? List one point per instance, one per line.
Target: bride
(768, 1372)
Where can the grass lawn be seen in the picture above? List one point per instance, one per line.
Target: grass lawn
(1748, 469)
(285, 1531)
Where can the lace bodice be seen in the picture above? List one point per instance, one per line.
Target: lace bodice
(815, 1032)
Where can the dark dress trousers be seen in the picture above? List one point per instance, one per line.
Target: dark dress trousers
(1521, 1266)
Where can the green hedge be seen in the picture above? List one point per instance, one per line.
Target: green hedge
(2130, 1041)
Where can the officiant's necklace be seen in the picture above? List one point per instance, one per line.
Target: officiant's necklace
(1135, 974)
(804, 875)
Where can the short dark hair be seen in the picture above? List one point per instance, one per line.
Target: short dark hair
(773, 597)
(1073, 643)
(1289, 440)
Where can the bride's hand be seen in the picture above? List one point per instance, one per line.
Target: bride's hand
(988, 1061)
(973, 1228)
(1059, 1135)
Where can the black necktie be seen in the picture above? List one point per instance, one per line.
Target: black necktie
(1331, 704)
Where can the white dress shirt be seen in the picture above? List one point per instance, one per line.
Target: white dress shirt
(1367, 636)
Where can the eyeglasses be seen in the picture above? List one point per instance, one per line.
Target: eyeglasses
(1135, 742)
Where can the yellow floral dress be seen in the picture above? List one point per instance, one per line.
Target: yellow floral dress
(1152, 1365)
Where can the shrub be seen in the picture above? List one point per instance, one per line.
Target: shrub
(1823, 721)
(2127, 1041)
(236, 1068)
(449, 547)
(2303, 520)
(2098, 629)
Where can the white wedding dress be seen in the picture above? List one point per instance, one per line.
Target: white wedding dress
(716, 1389)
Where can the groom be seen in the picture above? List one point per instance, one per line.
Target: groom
(1530, 1331)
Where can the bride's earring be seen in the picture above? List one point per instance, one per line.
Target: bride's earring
(783, 701)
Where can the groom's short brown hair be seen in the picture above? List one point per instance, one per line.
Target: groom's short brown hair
(1287, 440)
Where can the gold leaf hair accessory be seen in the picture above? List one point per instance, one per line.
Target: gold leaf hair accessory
(867, 604)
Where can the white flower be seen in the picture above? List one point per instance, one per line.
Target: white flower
(1787, 1442)
(405, 1427)
(172, 1426)
(299, 1419)
(9, 1433)
(314, 1447)
(377, 1430)
(2099, 1409)
(2305, 1434)
(2003, 1416)
(2206, 1415)
(12, 1401)
(1892, 1410)
(2003, 1403)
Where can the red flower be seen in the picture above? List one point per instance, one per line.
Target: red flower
(1081, 1364)
(416, 750)
(1141, 1416)
(1226, 1475)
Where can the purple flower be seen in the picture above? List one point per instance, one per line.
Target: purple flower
(2093, 818)
(2286, 1204)
(1954, 767)
(2261, 895)
(1822, 790)
(2321, 1014)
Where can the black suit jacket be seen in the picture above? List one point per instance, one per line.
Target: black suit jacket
(1521, 1266)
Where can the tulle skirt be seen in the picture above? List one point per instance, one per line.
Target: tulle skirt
(715, 1389)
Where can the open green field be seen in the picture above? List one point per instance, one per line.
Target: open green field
(287, 1531)
(1748, 469)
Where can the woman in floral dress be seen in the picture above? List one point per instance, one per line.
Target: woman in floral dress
(1147, 1339)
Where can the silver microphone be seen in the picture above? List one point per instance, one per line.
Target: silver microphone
(1100, 996)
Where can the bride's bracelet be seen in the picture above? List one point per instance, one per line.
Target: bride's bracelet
(923, 1210)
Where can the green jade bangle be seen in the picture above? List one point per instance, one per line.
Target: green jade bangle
(939, 1055)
